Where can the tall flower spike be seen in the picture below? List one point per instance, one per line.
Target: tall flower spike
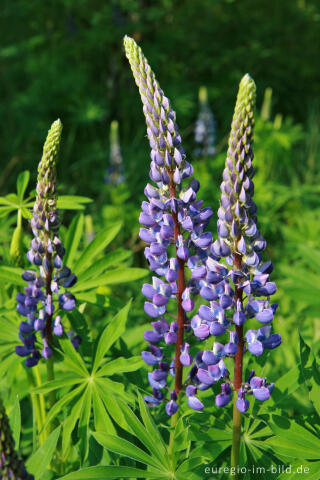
(247, 289)
(172, 217)
(11, 466)
(114, 174)
(205, 128)
(39, 303)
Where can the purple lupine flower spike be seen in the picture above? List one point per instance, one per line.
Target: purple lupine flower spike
(38, 304)
(241, 289)
(171, 217)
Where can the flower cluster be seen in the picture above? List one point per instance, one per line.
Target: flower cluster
(114, 174)
(205, 128)
(11, 466)
(37, 304)
(173, 227)
(241, 290)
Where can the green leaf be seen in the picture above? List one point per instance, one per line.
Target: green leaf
(107, 261)
(151, 426)
(26, 213)
(98, 244)
(120, 365)
(54, 384)
(292, 440)
(137, 429)
(72, 357)
(285, 386)
(110, 472)
(112, 406)
(83, 427)
(39, 461)
(70, 423)
(108, 387)
(58, 406)
(22, 183)
(102, 420)
(15, 422)
(12, 275)
(121, 275)
(72, 202)
(110, 334)
(73, 237)
(12, 200)
(125, 448)
(311, 373)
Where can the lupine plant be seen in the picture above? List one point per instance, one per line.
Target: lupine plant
(173, 226)
(37, 304)
(205, 128)
(236, 291)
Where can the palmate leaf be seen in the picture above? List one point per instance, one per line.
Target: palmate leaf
(91, 390)
(153, 452)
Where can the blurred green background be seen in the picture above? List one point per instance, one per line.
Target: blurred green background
(65, 59)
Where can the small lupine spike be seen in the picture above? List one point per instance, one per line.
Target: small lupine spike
(11, 466)
(39, 303)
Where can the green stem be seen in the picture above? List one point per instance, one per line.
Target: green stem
(236, 437)
(42, 405)
(38, 414)
(50, 377)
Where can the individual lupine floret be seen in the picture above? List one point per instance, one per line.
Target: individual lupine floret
(11, 466)
(242, 289)
(38, 304)
(172, 217)
(205, 128)
(115, 171)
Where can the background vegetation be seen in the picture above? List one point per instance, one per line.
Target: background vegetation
(65, 59)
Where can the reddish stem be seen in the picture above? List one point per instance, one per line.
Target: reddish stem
(181, 286)
(238, 359)
(49, 292)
